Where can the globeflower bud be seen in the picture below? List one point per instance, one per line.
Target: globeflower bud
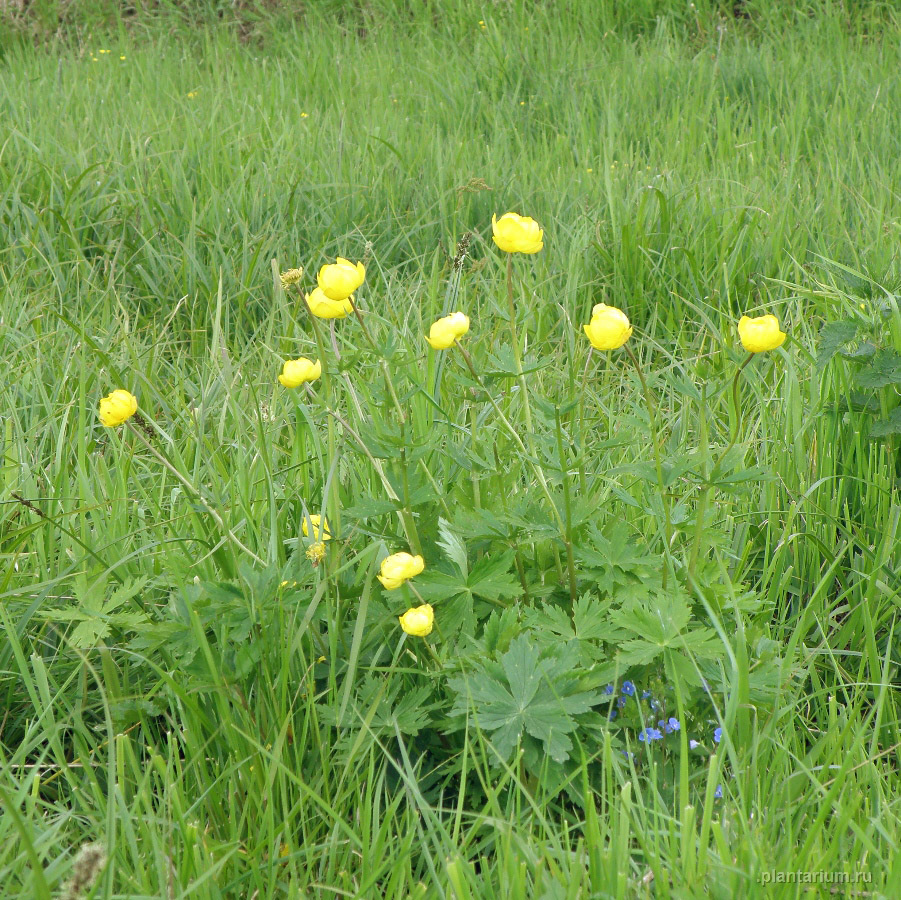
(418, 621)
(297, 371)
(398, 568)
(517, 234)
(320, 533)
(447, 331)
(609, 327)
(760, 334)
(292, 276)
(117, 408)
(340, 279)
(325, 308)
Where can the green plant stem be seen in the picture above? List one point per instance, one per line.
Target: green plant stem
(705, 491)
(658, 464)
(517, 356)
(567, 508)
(409, 521)
(517, 439)
(334, 499)
(216, 517)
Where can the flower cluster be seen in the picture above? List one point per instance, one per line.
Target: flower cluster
(608, 329)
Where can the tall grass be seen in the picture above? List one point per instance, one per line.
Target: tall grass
(688, 166)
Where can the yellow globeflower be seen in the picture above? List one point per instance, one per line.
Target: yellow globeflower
(292, 276)
(325, 308)
(609, 327)
(117, 408)
(447, 331)
(297, 371)
(517, 234)
(340, 279)
(319, 533)
(760, 334)
(398, 568)
(418, 621)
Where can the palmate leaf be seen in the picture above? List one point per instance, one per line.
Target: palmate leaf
(659, 623)
(889, 425)
(834, 336)
(884, 369)
(528, 694)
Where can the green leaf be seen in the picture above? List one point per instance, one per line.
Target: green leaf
(890, 425)
(453, 546)
(491, 577)
(532, 700)
(884, 369)
(834, 336)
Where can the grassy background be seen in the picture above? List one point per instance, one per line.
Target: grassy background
(688, 165)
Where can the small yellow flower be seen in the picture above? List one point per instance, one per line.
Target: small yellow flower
(324, 308)
(296, 372)
(288, 584)
(340, 279)
(447, 331)
(292, 276)
(760, 334)
(305, 115)
(325, 534)
(418, 621)
(316, 552)
(609, 327)
(192, 94)
(104, 51)
(121, 57)
(398, 568)
(517, 234)
(117, 407)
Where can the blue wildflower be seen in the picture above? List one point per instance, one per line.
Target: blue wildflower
(693, 745)
(650, 734)
(670, 725)
(645, 695)
(717, 735)
(613, 714)
(621, 702)
(656, 705)
(629, 688)
(718, 793)
(608, 690)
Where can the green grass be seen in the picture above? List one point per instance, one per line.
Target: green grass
(165, 695)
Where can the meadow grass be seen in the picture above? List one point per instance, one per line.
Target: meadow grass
(227, 720)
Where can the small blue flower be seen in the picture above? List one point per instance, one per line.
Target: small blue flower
(693, 745)
(613, 714)
(718, 793)
(650, 734)
(608, 690)
(717, 735)
(645, 695)
(621, 702)
(670, 725)
(629, 688)
(627, 754)
(656, 705)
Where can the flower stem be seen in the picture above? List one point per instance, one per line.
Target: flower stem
(334, 500)
(517, 439)
(658, 465)
(216, 517)
(517, 356)
(715, 472)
